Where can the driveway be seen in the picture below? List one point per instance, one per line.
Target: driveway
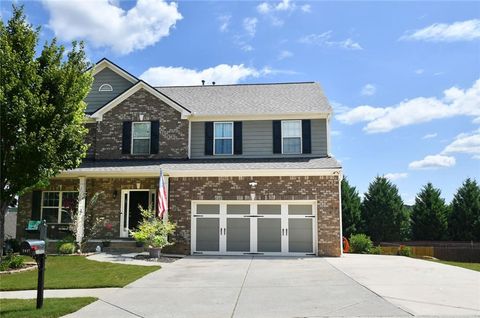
(417, 286)
(243, 287)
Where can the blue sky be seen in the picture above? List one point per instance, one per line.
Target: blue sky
(403, 77)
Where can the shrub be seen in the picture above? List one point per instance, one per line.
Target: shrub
(404, 251)
(67, 248)
(11, 261)
(12, 245)
(153, 231)
(360, 243)
(375, 250)
(66, 239)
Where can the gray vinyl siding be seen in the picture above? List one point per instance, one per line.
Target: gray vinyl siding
(258, 140)
(96, 99)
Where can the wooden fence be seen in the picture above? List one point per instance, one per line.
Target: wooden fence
(447, 251)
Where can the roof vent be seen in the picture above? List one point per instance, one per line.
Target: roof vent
(213, 83)
(203, 82)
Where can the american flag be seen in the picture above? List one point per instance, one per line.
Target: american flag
(162, 205)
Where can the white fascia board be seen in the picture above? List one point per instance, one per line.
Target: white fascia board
(105, 63)
(201, 173)
(98, 115)
(278, 116)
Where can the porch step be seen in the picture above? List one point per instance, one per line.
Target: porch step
(121, 246)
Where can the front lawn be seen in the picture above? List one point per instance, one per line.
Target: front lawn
(76, 272)
(52, 307)
(472, 266)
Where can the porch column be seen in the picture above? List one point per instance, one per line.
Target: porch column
(81, 208)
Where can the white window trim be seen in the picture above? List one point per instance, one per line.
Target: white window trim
(149, 138)
(59, 207)
(301, 137)
(215, 138)
(105, 88)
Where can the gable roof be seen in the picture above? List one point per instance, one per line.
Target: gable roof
(104, 62)
(251, 99)
(98, 114)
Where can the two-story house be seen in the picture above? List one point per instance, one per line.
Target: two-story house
(248, 166)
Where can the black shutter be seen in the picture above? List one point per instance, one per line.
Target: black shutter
(127, 137)
(237, 138)
(36, 205)
(277, 136)
(209, 138)
(154, 136)
(306, 136)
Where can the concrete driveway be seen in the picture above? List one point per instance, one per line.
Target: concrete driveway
(243, 287)
(417, 286)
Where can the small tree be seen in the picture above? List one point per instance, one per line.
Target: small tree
(152, 230)
(464, 220)
(41, 109)
(351, 215)
(429, 215)
(383, 213)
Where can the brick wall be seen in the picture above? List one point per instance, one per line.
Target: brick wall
(322, 189)
(182, 190)
(173, 130)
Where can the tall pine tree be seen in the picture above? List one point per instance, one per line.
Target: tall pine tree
(351, 215)
(383, 213)
(429, 215)
(464, 220)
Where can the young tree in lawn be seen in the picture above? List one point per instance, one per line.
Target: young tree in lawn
(351, 215)
(41, 109)
(383, 213)
(464, 220)
(429, 215)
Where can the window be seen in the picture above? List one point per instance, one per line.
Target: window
(291, 136)
(105, 88)
(57, 206)
(141, 138)
(223, 138)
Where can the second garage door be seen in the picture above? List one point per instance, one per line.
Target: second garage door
(254, 227)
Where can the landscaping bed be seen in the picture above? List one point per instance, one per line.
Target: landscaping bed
(52, 307)
(65, 272)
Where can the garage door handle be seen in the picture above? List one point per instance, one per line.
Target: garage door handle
(283, 231)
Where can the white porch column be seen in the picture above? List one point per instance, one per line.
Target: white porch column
(81, 208)
(165, 215)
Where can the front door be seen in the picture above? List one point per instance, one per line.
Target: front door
(131, 216)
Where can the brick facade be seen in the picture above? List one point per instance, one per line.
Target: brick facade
(323, 189)
(173, 130)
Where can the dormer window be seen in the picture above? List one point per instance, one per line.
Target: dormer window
(105, 88)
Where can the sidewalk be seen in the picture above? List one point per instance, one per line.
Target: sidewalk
(59, 293)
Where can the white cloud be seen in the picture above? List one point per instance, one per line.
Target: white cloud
(284, 55)
(103, 24)
(432, 162)
(220, 74)
(455, 102)
(284, 5)
(465, 143)
(419, 71)
(339, 108)
(396, 175)
(430, 136)
(369, 90)
(325, 39)
(306, 8)
(442, 32)
(250, 26)
(224, 22)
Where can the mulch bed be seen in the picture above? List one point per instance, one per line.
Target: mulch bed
(162, 259)
(26, 267)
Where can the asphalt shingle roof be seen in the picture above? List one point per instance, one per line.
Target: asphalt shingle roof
(252, 99)
(207, 164)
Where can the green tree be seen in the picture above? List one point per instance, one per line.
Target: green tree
(383, 213)
(464, 220)
(429, 215)
(41, 109)
(351, 216)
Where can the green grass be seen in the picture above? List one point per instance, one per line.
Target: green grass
(76, 272)
(52, 307)
(472, 266)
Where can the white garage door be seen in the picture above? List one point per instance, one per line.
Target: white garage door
(254, 227)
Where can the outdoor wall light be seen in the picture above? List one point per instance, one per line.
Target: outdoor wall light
(138, 185)
(253, 184)
(141, 117)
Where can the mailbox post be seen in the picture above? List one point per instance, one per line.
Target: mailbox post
(36, 249)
